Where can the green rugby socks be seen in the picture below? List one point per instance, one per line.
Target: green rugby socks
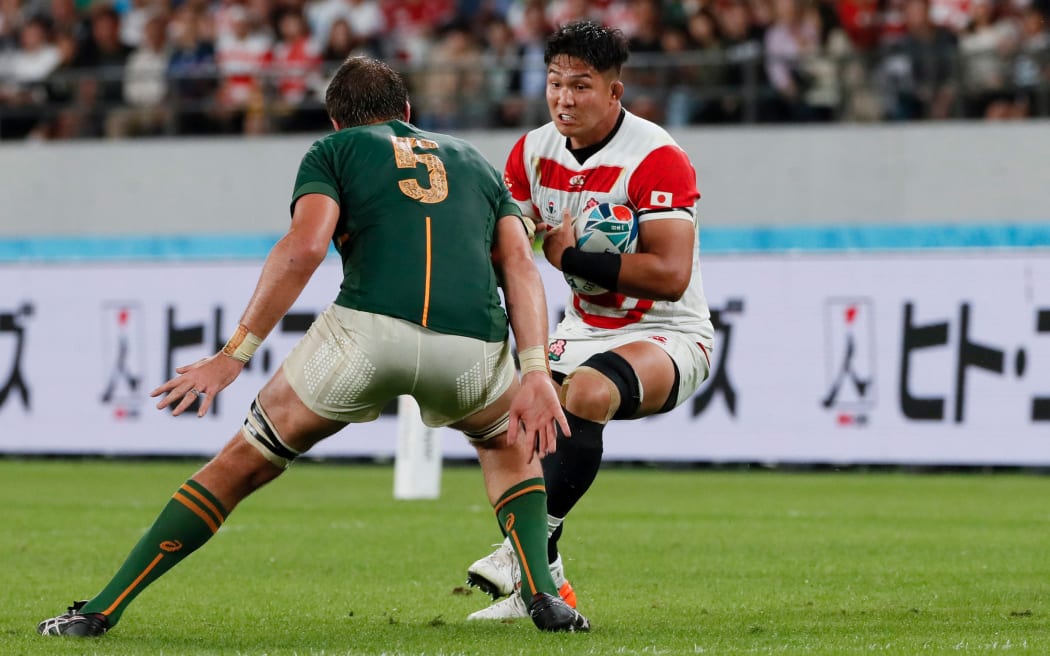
(188, 521)
(522, 514)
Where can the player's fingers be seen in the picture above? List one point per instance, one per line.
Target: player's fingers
(184, 404)
(206, 401)
(169, 399)
(559, 416)
(513, 428)
(550, 439)
(536, 443)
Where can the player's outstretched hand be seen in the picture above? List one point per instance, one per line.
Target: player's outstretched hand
(556, 239)
(201, 380)
(533, 414)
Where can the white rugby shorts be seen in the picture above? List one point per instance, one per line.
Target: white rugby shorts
(572, 344)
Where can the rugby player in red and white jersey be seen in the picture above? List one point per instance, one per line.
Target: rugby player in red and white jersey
(643, 347)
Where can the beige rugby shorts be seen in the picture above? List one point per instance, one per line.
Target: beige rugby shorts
(351, 364)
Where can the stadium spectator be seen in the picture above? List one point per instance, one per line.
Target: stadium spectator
(861, 19)
(502, 59)
(1031, 64)
(340, 42)
(411, 26)
(296, 63)
(983, 44)
(11, 18)
(745, 71)
(145, 86)
(67, 19)
(532, 37)
(823, 64)
(100, 64)
(645, 82)
(562, 12)
(193, 71)
(448, 93)
(58, 120)
(921, 67)
(134, 16)
(363, 19)
(880, 75)
(23, 77)
(640, 348)
(243, 55)
(788, 41)
(353, 189)
(696, 86)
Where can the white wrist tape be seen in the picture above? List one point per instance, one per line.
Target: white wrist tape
(242, 345)
(532, 359)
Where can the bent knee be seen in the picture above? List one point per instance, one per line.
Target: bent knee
(590, 395)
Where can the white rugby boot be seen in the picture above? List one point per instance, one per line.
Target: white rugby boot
(497, 574)
(548, 613)
(514, 606)
(510, 608)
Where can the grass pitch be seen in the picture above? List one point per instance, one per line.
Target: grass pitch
(325, 562)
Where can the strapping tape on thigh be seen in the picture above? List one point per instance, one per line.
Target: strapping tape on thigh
(260, 433)
(491, 431)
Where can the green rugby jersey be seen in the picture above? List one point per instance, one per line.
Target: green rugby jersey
(417, 221)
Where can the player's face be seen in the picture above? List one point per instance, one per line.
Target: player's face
(584, 104)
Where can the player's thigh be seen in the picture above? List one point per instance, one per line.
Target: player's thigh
(669, 367)
(488, 421)
(298, 426)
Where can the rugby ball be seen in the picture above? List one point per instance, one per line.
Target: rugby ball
(607, 228)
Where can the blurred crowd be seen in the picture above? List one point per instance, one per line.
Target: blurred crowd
(121, 68)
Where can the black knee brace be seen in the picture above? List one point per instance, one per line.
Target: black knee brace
(622, 375)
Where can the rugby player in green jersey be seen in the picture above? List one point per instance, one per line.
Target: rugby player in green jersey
(427, 232)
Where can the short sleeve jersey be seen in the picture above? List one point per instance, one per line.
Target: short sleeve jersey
(417, 215)
(640, 166)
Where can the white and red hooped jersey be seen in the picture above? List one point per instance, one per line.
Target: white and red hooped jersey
(641, 167)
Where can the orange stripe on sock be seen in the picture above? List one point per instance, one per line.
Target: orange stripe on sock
(204, 500)
(524, 563)
(134, 583)
(205, 517)
(527, 490)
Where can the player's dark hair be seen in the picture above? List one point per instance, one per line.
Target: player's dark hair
(364, 91)
(602, 47)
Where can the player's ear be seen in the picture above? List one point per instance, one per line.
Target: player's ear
(616, 90)
(335, 125)
(408, 111)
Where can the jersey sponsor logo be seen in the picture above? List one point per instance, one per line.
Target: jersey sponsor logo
(660, 198)
(171, 546)
(600, 179)
(509, 525)
(658, 338)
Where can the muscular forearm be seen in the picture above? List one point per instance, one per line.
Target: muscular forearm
(285, 273)
(522, 285)
(647, 275)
